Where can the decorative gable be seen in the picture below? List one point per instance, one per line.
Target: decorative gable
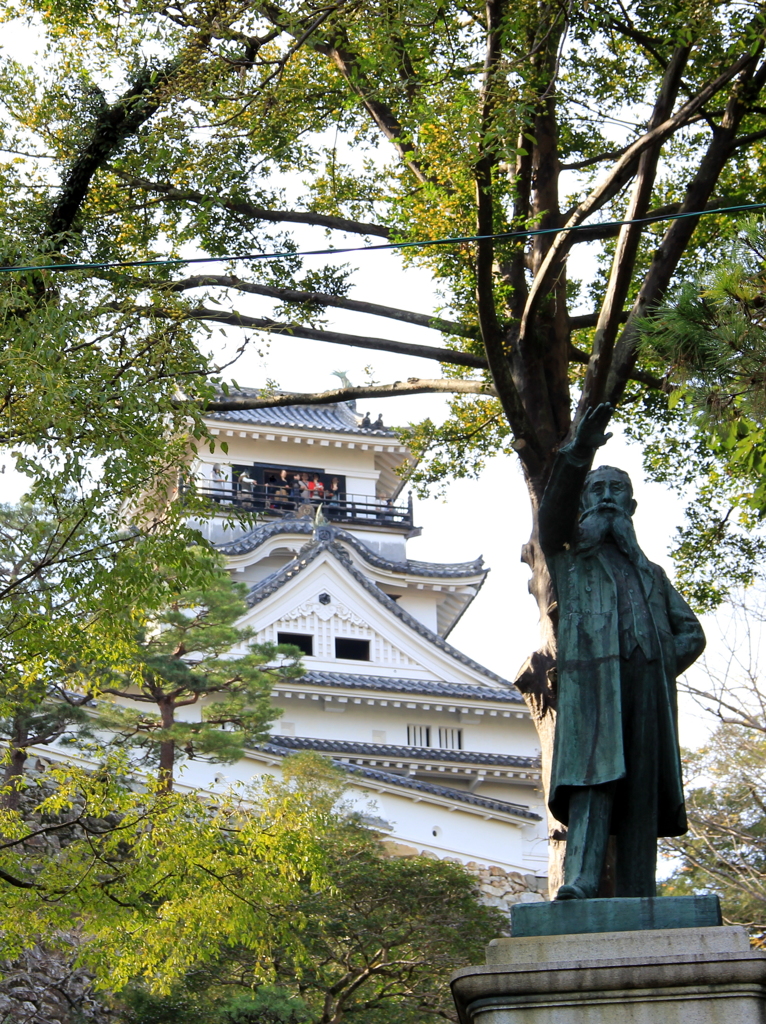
(325, 622)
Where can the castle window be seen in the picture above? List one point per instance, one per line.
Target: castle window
(302, 640)
(418, 735)
(451, 739)
(352, 650)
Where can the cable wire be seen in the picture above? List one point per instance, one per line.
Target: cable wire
(248, 257)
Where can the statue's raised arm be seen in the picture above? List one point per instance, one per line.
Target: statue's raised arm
(560, 506)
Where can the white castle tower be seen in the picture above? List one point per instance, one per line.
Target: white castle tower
(440, 751)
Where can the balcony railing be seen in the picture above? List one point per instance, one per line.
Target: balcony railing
(341, 508)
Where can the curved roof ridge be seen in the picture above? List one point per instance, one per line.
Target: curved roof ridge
(263, 532)
(260, 534)
(325, 539)
(411, 621)
(395, 752)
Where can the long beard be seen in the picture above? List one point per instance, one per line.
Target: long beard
(607, 522)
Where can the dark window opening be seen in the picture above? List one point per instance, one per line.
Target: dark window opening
(352, 650)
(303, 640)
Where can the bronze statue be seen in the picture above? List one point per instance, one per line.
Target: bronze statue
(624, 635)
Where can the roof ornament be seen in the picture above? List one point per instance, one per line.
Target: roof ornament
(323, 528)
(341, 375)
(366, 423)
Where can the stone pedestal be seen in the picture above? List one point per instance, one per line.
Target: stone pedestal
(688, 975)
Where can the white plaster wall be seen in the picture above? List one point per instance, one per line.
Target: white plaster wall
(344, 718)
(421, 604)
(460, 835)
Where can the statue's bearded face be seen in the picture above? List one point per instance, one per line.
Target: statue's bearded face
(606, 512)
(608, 490)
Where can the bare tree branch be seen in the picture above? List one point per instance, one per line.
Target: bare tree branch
(412, 386)
(626, 250)
(576, 355)
(319, 299)
(598, 232)
(274, 327)
(678, 234)
(258, 213)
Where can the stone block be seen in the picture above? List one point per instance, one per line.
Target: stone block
(570, 917)
(535, 949)
(705, 975)
(399, 849)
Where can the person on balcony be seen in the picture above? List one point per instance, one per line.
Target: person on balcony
(246, 486)
(296, 491)
(282, 491)
(218, 482)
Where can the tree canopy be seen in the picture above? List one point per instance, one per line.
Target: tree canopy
(228, 132)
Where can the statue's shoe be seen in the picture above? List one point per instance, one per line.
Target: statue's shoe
(571, 892)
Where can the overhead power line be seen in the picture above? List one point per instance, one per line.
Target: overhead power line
(249, 257)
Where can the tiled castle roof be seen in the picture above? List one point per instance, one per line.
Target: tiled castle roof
(260, 534)
(431, 688)
(407, 782)
(325, 539)
(338, 418)
(393, 752)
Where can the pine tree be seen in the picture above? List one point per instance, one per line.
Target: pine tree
(188, 654)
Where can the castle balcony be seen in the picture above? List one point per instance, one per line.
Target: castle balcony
(343, 508)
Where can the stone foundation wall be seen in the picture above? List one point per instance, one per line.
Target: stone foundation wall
(42, 987)
(497, 887)
(501, 888)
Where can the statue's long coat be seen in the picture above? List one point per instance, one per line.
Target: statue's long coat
(588, 748)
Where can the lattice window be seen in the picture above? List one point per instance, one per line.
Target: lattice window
(419, 735)
(451, 739)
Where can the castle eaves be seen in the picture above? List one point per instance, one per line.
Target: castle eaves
(393, 752)
(325, 540)
(260, 534)
(409, 783)
(425, 687)
(337, 418)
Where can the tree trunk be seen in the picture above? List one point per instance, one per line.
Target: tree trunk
(14, 767)
(167, 748)
(536, 679)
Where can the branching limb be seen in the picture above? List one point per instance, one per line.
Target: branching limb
(615, 180)
(340, 52)
(114, 124)
(576, 355)
(626, 250)
(678, 234)
(493, 336)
